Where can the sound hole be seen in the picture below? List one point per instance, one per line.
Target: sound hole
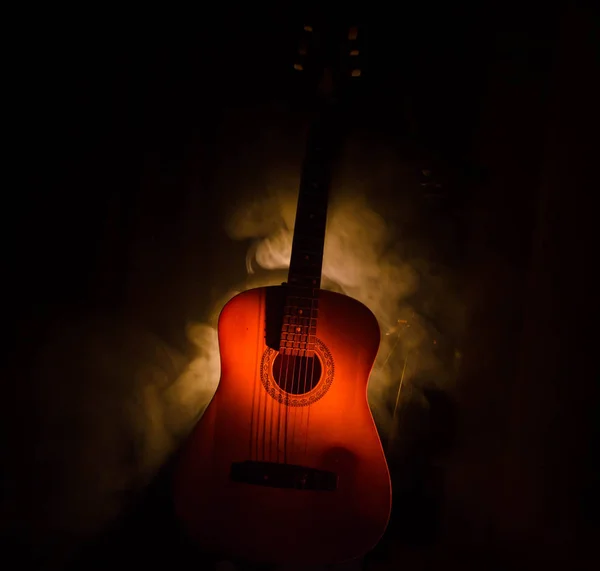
(296, 375)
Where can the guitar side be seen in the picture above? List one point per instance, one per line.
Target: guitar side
(328, 429)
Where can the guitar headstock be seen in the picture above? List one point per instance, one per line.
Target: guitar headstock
(330, 58)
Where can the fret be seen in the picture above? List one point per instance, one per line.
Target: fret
(294, 314)
(313, 186)
(302, 302)
(310, 244)
(307, 244)
(306, 264)
(298, 331)
(307, 254)
(300, 340)
(309, 351)
(304, 337)
(300, 317)
(308, 215)
(298, 279)
(313, 198)
(302, 248)
(313, 230)
(291, 329)
(307, 280)
(311, 213)
(300, 291)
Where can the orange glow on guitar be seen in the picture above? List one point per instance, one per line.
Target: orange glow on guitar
(286, 465)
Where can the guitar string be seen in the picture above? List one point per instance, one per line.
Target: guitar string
(256, 388)
(294, 353)
(252, 408)
(305, 366)
(312, 373)
(287, 397)
(301, 360)
(268, 457)
(297, 412)
(313, 382)
(289, 386)
(264, 424)
(296, 372)
(285, 382)
(308, 415)
(272, 402)
(296, 368)
(294, 413)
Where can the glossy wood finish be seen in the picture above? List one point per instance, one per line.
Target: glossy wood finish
(336, 433)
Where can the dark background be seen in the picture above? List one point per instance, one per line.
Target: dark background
(124, 127)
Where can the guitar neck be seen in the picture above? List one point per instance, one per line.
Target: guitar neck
(301, 309)
(311, 215)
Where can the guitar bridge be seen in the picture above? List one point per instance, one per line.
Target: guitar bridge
(289, 476)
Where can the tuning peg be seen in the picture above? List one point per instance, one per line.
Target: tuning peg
(308, 28)
(352, 33)
(355, 73)
(298, 67)
(354, 52)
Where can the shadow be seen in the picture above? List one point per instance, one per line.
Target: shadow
(417, 471)
(146, 535)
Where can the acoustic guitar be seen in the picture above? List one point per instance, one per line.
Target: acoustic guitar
(286, 465)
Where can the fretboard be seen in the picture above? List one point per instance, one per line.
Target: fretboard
(311, 215)
(304, 277)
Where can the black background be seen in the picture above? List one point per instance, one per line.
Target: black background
(116, 206)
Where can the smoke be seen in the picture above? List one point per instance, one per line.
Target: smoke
(104, 405)
(360, 260)
(107, 402)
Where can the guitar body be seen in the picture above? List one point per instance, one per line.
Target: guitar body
(295, 475)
